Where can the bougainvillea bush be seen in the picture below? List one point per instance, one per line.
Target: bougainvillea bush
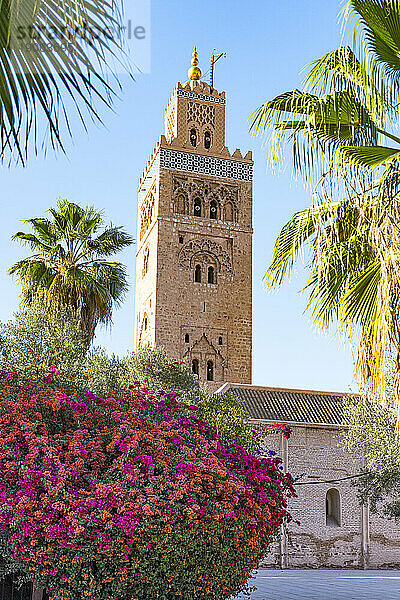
(132, 498)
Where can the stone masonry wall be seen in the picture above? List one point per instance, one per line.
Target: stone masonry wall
(207, 322)
(313, 452)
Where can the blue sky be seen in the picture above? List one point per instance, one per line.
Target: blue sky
(268, 43)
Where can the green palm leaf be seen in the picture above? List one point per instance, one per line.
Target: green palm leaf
(69, 266)
(341, 126)
(369, 156)
(35, 83)
(325, 125)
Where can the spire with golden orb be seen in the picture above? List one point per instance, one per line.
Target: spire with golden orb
(194, 72)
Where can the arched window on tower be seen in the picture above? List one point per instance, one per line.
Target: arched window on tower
(197, 274)
(213, 209)
(145, 261)
(195, 367)
(207, 140)
(332, 508)
(210, 370)
(193, 137)
(180, 204)
(211, 275)
(186, 338)
(228, 211)
(197, 207)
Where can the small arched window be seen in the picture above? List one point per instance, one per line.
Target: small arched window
(197, 207)
(213, 210)
(193, 137)
(220, 340)
(195, 366)
(210, 370)
(181, 239)
(180, 204)
(207, 140)
(186, 338)
(211, 275)
(332, 508)
(145, 324)
(228, 211)
(197, 274)
(146, 261)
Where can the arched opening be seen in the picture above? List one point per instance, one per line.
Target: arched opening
(180, 204)
(146, 261)
(220, 340)
(228, 212)
(210, 370)
(332, 508)
(145, 324)
(207, 140)
(197, 274)
(181, 239)
(211, 275)
(213, 209)
(186, 338)
(193, 137)
(197, 207)
(195, 366)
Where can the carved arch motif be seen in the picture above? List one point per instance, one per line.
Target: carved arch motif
(217, 200)
(194, 249)
(203, 352)
(147, 212)
(144, 329)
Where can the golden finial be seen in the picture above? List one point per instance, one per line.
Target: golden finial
(194, 72)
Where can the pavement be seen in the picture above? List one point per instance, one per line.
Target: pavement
(321, 584)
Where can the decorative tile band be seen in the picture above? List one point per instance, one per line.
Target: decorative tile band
(207, 165)
(196, 96)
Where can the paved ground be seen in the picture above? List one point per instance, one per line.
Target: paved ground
(325, 585)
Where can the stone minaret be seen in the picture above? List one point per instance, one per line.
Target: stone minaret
(194, 258)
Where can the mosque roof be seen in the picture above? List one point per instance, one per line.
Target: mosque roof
(288, 405)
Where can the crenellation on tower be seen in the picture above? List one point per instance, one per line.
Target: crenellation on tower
(194, 258)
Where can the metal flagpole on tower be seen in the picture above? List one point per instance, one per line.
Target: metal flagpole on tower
(214, 58)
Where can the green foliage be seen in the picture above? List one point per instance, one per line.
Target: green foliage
(37, 340)
(338, 128)
(69, 266)
(349, 107)
(372, 432)
(223, 411)
(159, 373)
(48, 70)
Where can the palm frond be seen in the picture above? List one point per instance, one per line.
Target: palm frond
(376, 25)
(341, 70)
(369, 156)
(70, 267)
(326, 124)
(37, 83)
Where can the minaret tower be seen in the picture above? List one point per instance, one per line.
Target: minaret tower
(194, 256)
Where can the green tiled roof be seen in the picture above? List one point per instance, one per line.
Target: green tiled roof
(300, 406)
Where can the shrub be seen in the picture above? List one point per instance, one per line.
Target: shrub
(129, 498)
(223, 411)
(35, 340)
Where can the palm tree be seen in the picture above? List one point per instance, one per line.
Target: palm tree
(53, 60)
(350, 106)
(340, 128)
(70, 265)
